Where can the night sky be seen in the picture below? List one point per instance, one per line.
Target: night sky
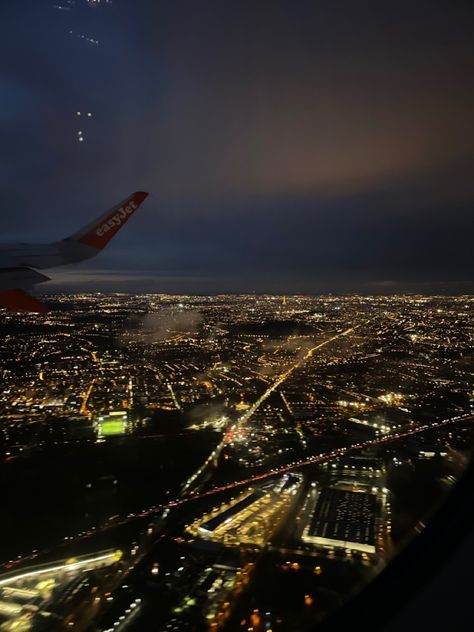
(288, 146)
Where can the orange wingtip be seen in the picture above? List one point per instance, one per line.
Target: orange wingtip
(19, 300)
(108, 226)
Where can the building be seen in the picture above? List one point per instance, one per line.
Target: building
(210, 527)
(253, 516)
(344, 519)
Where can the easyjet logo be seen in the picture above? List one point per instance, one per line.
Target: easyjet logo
(117, 219)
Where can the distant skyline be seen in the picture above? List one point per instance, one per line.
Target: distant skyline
(288, 147)
(143, 281)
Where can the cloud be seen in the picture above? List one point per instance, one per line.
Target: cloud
(166, 323)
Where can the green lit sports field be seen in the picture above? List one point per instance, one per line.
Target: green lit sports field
(109, 428)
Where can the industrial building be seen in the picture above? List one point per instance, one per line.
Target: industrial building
(252, 517)
(344, 519)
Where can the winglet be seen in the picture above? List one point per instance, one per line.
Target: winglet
(19, 300)
(98, 234)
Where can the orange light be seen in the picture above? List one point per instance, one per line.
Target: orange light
(255, 620)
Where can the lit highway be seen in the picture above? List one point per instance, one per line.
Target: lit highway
(284, 376)
(325, 456)
(215, 454)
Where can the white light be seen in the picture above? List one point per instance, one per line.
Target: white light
(56, 568)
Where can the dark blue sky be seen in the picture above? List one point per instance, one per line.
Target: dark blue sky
(287, 145)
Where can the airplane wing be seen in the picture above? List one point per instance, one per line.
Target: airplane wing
(19, 263)
(91, 239)
(14, 282)
(19, 300)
